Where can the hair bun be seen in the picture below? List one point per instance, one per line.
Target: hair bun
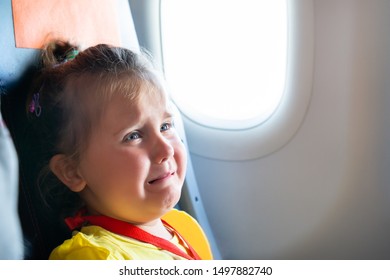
(58, 52)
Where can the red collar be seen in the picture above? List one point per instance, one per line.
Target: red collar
(130, 230)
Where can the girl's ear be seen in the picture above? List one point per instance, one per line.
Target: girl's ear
(66, 171)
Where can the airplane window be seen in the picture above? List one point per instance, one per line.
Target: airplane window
(241, 72)
(225, 60)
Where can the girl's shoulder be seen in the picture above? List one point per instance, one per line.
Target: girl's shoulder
(97, 243)
(82, 246)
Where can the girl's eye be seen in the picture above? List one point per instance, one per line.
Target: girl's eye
(166, 126)
(132, 136)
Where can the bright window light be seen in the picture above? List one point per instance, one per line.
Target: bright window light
(225, 60)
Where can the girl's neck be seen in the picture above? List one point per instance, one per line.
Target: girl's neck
(157, 228)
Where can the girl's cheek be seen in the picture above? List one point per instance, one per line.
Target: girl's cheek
(182, 153)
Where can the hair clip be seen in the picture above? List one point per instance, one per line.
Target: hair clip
(34, 106)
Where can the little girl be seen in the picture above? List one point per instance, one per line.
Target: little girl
(108, 130)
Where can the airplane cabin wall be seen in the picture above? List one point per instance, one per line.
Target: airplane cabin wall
(326, 193)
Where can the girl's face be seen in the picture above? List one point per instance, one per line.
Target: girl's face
(135, 163)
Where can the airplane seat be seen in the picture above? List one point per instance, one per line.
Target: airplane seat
(16, 66)
(42, 229)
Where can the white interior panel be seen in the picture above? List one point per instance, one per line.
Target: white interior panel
(326, 193)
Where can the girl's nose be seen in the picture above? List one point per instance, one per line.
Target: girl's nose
(162, 150)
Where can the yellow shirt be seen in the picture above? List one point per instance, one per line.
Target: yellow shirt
(96, 243)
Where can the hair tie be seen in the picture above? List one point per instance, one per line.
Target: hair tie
(70, 55)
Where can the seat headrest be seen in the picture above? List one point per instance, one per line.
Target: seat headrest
(24, 26)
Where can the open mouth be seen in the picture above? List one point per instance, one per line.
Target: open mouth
(161, 178)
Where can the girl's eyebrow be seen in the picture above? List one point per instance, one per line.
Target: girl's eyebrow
(124, 129)
(130, 124)
(133, 124)
(168, 115)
